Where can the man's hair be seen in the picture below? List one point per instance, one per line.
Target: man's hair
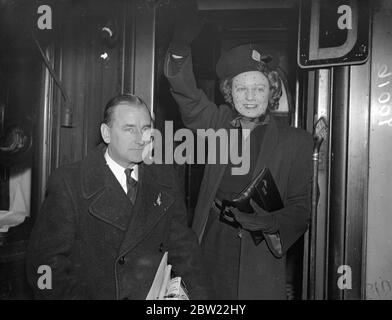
(273, 80)
(125, 98)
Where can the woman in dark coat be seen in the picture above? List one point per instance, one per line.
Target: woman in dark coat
(240, 269)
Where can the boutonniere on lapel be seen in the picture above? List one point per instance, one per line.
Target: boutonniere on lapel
(158, 200)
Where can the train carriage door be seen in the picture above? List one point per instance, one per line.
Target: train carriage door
(272, 24)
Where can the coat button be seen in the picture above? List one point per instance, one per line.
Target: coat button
(121, 260)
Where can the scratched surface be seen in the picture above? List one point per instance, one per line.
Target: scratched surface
(379, 238)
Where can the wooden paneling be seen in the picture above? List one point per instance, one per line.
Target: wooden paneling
(89, 80)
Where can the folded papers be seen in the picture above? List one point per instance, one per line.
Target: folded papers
(164, 287)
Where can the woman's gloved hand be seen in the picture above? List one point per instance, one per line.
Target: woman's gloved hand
(187, 26)
(259, 220)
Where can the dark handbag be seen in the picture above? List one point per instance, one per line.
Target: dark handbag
(264, 192)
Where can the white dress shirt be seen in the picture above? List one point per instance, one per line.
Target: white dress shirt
(119, 171)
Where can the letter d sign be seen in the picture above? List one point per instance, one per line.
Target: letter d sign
(344, 281)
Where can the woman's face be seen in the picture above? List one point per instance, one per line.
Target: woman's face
(250, 92)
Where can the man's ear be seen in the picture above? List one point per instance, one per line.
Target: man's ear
(105, 133)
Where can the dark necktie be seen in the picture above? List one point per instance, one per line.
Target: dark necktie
(131, 185)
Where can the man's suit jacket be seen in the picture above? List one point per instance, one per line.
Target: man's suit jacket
(97, 249)
(286, 151)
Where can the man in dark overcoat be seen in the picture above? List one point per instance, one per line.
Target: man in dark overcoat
(107, 220)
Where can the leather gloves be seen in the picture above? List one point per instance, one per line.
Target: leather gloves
(259, 220)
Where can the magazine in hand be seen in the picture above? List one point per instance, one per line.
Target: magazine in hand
(164, 287)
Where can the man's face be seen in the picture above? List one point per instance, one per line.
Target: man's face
(127, 134)
(250, 92)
